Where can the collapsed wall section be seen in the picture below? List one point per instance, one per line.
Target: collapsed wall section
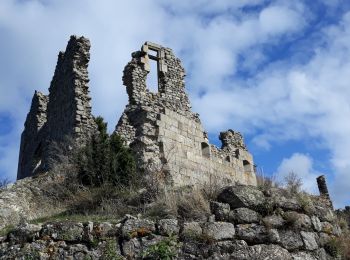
(167, 136)
(66, 112)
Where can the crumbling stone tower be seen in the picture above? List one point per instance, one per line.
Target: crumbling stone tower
(166, 136)
(65, 112)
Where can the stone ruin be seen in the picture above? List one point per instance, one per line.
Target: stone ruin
(65, 112)
(165, 135)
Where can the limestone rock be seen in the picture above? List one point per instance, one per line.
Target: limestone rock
(191, 230)
(243, 215)
(309, 239)
(168, 227)
(137, 228)
(290, 240)
(219, 230)
(67, 231)
(252, 233)
(273, 221)
(242, 196)
(220, 210)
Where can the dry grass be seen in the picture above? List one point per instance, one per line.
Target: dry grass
(187, 204)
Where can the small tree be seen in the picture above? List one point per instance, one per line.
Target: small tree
(293, 183)
(105, 159)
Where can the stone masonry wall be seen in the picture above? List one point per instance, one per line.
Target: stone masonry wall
(166, 136)
(32, 137)
(243, 223)
(68, 112)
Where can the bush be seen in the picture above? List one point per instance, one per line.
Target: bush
(105, 159)
(293, 183)
(165, 249)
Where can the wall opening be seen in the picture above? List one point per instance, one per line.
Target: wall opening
(228, 159)
(247, 166)
(205, 150)
(152, 77)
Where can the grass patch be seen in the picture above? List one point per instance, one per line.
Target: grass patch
(6, 230)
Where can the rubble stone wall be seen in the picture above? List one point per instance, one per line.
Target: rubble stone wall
(166, 135)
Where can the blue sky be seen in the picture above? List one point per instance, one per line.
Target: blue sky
(278, 71)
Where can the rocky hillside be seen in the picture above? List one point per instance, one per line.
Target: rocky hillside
(245, 223)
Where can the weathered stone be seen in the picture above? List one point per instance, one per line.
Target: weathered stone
(252, 233)
(243, 215)
(55, 118)
(316, 223)
(239, 196)
(164, 133)
(273, 221)
(290, 240)
(268, 252)
(303, 256)
(67, 231)
(103, 230)
(168, 227)
(24, 233)
(191, 230)
(219, 230)
(137, 228)
(220, 210)
(309, 240)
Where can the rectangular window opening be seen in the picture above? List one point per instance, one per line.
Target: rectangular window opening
(152, 76)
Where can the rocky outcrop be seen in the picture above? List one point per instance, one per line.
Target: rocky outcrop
(259, 228)
(31, 198)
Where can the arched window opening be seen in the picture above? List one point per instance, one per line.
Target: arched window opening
(205, 150)
(228, 158)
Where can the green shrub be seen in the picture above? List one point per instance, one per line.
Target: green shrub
(333, 247)
(105, 159)
(165, 250)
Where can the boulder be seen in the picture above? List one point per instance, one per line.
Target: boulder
(309, 239)
(24, 233)
(252, 233)
(268, 252)
(220, 210)
(273, 221)
(245, 196)
(137, 228)
(191, 230)
(219, 230)
(243, 216)
(303, 256)
(316, 223)
(167, 227)
(67, 231)
(290, 240)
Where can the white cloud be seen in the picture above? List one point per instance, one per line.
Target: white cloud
(215, 39)
(302, 166)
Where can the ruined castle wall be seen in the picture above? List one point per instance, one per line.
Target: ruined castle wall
(32, 137)
(65, 114)
(190, 161)
(167, 136)
(69, 109)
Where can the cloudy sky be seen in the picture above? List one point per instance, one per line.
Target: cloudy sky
(277, 70)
